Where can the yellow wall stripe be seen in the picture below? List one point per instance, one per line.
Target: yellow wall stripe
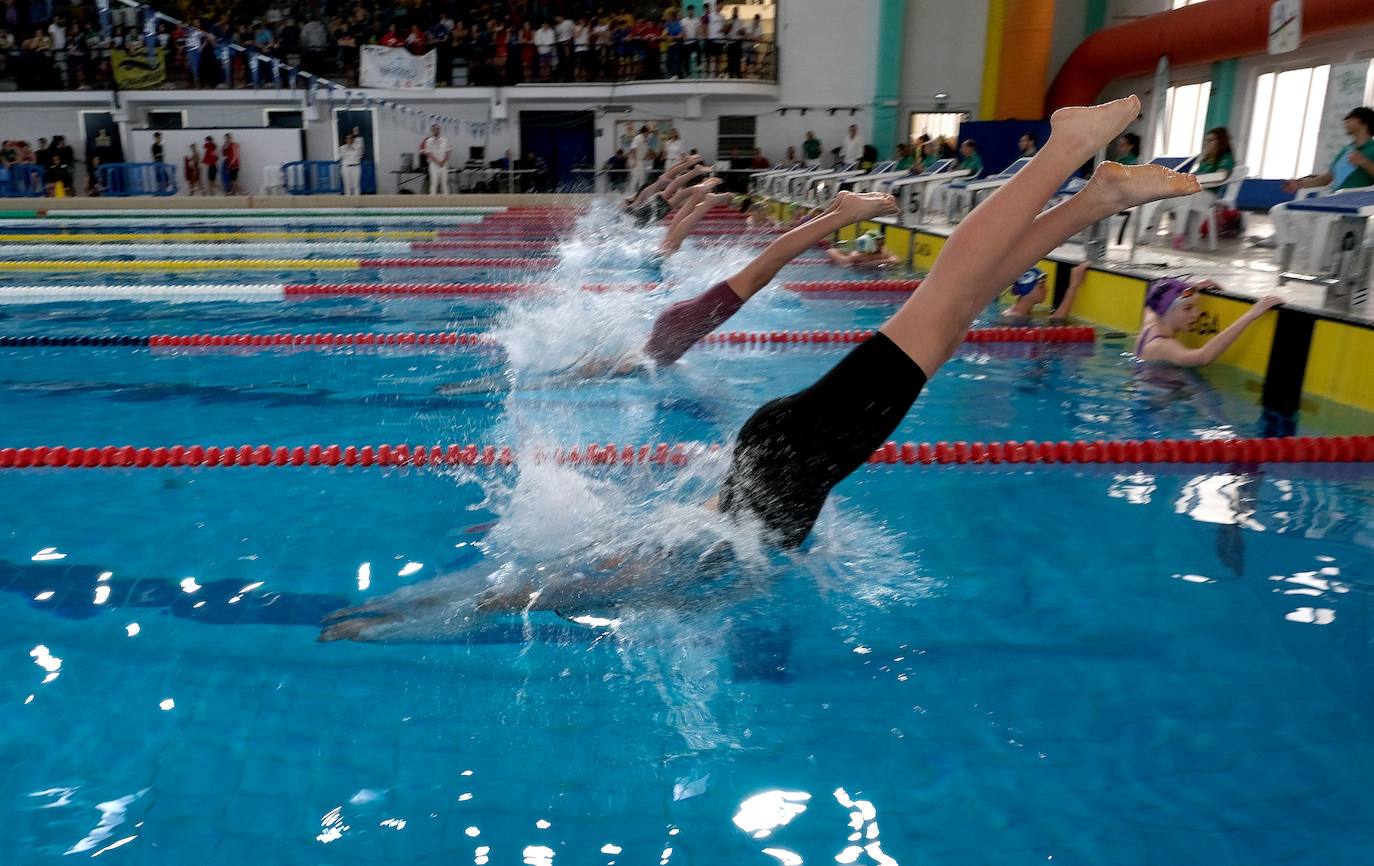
(1338, 366)
(992, 59)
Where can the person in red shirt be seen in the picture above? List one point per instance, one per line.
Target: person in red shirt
(392, 39)
(190, 166)
(210, 159)
(416, 40)
(230, 152)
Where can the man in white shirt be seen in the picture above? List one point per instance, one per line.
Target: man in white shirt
(674, 149)
(564, 31)
(691, 41)
(436, 151)
(351, 159)
(639, 158)
(544, 41)
(853, 145)
(715, 40)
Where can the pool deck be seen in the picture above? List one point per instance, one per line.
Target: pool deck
(1303, 349)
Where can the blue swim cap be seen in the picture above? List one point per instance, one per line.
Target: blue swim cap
(1027, 282)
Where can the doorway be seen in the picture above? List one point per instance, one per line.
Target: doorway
(363, 120)
(565, 140)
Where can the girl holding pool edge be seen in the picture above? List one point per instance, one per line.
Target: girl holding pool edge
(1171, 308)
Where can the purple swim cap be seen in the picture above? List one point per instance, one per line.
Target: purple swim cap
(1165, 293)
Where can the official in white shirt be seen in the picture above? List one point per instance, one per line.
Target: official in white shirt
(674, 150)
(436, 151)
(351, 158)
(639, 159)
(853, 145)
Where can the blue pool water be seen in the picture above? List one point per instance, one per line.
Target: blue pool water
(970, 665)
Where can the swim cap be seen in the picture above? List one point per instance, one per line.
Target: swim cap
(866, 243)
(1027, 282)
(1165, 293)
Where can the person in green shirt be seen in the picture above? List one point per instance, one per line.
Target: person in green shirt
(811, 149)
(1353, 168)
(1126, 149)
(968, 151)
(904, 158)
(1216, 158)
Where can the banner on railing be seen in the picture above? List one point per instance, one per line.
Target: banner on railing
(132, 71)
(396, 68)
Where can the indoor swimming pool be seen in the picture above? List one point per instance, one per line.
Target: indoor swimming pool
(1080, 664)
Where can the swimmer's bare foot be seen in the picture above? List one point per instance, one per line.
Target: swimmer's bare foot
(865, 205)
(1086, 130)
(355, 629)
(1125, 186)
(717, 199)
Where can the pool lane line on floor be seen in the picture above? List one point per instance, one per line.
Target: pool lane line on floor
(444, 339)
(894, 290)
(1334, 449)
(273, 251)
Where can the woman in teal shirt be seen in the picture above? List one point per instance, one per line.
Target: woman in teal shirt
(1216, 153)
(1216, 158)
(1353, 168)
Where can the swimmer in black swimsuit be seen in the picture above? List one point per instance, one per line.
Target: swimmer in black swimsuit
(793, 450)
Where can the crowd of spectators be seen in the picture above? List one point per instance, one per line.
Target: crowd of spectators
(47, 46)
(54, 163)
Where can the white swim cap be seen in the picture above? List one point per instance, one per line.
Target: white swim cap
(866, 243)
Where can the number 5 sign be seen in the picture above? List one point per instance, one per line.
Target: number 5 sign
(1285, 26)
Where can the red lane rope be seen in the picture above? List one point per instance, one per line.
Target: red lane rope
(1342, 449)
(459, 263)
(1067, 334)
(854, 285)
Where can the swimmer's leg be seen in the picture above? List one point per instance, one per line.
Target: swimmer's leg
(688, 217)
(680, 182)
(848, 207)
(839, 257)
(671, 174)
(1007, 233)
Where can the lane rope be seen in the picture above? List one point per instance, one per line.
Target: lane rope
(890, 290)
(734, 339)
(1338, 449)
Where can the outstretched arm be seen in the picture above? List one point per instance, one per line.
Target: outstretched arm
(1174, 352)
(1076, 278)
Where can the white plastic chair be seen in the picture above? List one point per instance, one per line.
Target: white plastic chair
(272, 183)
(1204, 206)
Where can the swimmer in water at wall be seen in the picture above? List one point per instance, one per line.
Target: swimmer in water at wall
(1171, 309)
(1032, 289)
(867, 251)
(795, 449)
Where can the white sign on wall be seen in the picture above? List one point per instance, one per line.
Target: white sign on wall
(1285, 26)
(1345, 90)
(396, 68)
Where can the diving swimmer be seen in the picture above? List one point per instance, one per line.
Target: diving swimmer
(793, 450)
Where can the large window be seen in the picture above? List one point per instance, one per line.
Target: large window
(735, 136)
(1185, 118)
(1283, 128)
(936, 124)
(1179, 4)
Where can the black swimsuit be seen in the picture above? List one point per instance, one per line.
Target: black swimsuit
(794, 449)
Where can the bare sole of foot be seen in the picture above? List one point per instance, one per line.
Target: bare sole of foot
(1126, 186)
(1088, 129)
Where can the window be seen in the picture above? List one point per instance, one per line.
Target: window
(1283, 127)
(1185, 118)
(283, 118)
(1179, 4)
(167, 119)
(735, 136)
(941, 124)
